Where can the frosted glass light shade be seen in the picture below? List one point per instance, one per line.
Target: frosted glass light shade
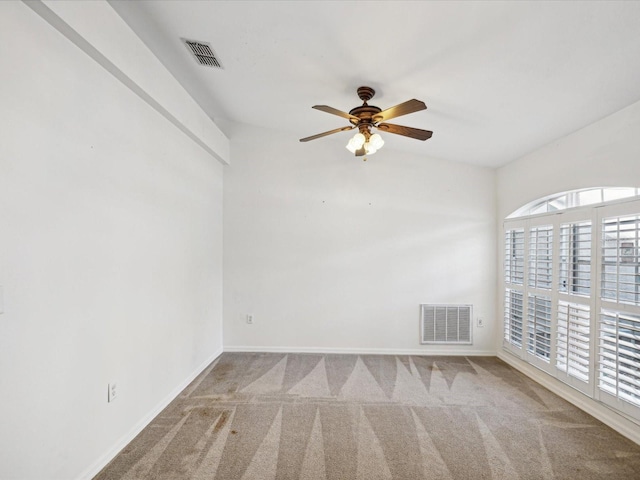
(359, 141)
(376, 141)
(369, 149)
(356, 142)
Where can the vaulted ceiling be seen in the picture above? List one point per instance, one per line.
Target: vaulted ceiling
(500, 79)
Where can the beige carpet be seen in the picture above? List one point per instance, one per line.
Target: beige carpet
(342, 417)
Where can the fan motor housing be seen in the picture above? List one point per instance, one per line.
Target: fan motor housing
(365, 113)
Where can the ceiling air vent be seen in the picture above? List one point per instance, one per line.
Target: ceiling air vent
(203, 53)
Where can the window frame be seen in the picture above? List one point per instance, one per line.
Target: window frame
(618, 209)
(574, 199)
(595, 214)
(515, 225)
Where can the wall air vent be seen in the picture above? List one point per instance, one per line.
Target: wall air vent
(203, 53)
(449, 324)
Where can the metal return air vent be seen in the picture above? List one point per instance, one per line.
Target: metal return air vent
(449, 324)
(203, 53)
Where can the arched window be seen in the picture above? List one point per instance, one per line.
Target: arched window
(571, 286)
(575, 198)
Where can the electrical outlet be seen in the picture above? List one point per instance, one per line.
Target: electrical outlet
(250, 319)
(480, 322)
(112, 392)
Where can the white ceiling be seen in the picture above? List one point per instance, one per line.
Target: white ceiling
(500, 79)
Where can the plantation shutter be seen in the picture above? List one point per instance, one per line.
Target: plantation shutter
(539, 327)
(540, 257)
(618, 341)
(572, 297)
(572, 340)
(513, 314)
(514, 256)
(514, 271)
(620, 267)
(575, 259)
(619, 355)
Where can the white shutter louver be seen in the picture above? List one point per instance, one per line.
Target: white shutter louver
(539, 327)
(514, 256)
(513, 311)
(540, 260)
(620, 266)
(575, 259)
(619, 355)
(572, 340)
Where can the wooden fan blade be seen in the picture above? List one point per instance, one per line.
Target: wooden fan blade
(405, 108)
(416, 133)
(335, 111)
(320, 135)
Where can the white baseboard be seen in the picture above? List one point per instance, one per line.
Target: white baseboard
(436, 350)
(95, 468)
(619, 422)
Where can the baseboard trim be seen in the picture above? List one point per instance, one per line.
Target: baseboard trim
(96, 467)
(619, 422)
(436, 351)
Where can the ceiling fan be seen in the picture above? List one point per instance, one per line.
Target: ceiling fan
(366, 117)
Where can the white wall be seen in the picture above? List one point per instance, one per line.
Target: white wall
(335, 254)
(606, 153)
(110, 255)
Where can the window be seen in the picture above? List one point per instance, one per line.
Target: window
(620, 267)
(575, 258)
(539, 327)
(514, 244)
(619, 322)
(513, 309)
(540, 261)
(572, 340)
(619, 355)
(575, 198)
(514, 256)
(572, 292)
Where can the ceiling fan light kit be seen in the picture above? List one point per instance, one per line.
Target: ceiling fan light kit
(366, 117)
(371, 144)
